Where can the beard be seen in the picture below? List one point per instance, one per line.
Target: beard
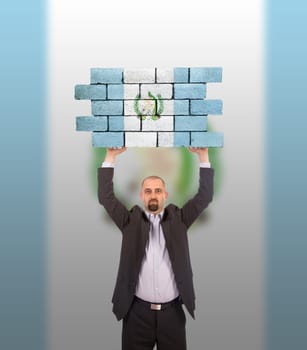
(153, 205)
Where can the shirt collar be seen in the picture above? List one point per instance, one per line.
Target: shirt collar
(160, 214)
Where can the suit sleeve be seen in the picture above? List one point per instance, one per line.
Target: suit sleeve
(193, 208)
(117, 211)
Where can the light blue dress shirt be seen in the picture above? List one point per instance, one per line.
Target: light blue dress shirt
(156, 281)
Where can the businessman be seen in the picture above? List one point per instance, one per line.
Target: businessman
(155, 275)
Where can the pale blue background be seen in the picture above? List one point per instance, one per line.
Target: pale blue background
(286, 173)
(23, 171)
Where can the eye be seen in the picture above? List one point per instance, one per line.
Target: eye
(147, 191)
(158, 190)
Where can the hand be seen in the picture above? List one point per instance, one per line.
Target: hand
(112, 153)
(202, 153)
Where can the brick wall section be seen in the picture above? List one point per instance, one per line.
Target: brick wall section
(150, 107)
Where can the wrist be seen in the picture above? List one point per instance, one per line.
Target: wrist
(204, 159)
(109, 159)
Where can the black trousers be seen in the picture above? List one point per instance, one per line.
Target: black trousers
(143, 327)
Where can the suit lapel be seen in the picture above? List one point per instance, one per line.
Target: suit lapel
(144, 235)
(166, 227)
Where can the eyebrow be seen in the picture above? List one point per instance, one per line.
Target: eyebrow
(156, 188)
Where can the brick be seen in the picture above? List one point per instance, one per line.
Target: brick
(207, 139)
(131, 91)
(165, 139)
(191, 91)
(168, 107)
(190, 123)
(108, 139)
(181, 75)
(106, 75)
(116, 91)
(139, 75)
(165, 75)
(165, 90)
(163, 124)
(132, 123)
(181, 107)
(91, 123)
(116, 123)
(123, 91)
(141, 139)
(90, 92)
(119, 123)
(181, 139)
(107, 107)
(147, 107)
(206, 75)
(129, 107)
(201, 107)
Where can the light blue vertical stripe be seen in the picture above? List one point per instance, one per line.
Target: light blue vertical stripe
(286, 169)
(22, 149)
(181, 107)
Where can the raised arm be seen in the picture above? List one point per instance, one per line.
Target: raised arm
(193, 208)
(112, 153)
(117, 211)
(202, 153)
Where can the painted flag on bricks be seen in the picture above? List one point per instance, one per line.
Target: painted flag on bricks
(154, 107)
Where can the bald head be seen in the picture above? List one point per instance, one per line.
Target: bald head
(153, 177)
(153, 194)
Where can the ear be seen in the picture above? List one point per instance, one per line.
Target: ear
(166, 194)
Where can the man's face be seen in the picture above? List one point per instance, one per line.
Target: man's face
(153, 195)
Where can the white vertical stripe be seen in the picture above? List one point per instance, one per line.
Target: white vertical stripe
(226, 251)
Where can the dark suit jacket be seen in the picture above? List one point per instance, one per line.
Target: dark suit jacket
(135, 228)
